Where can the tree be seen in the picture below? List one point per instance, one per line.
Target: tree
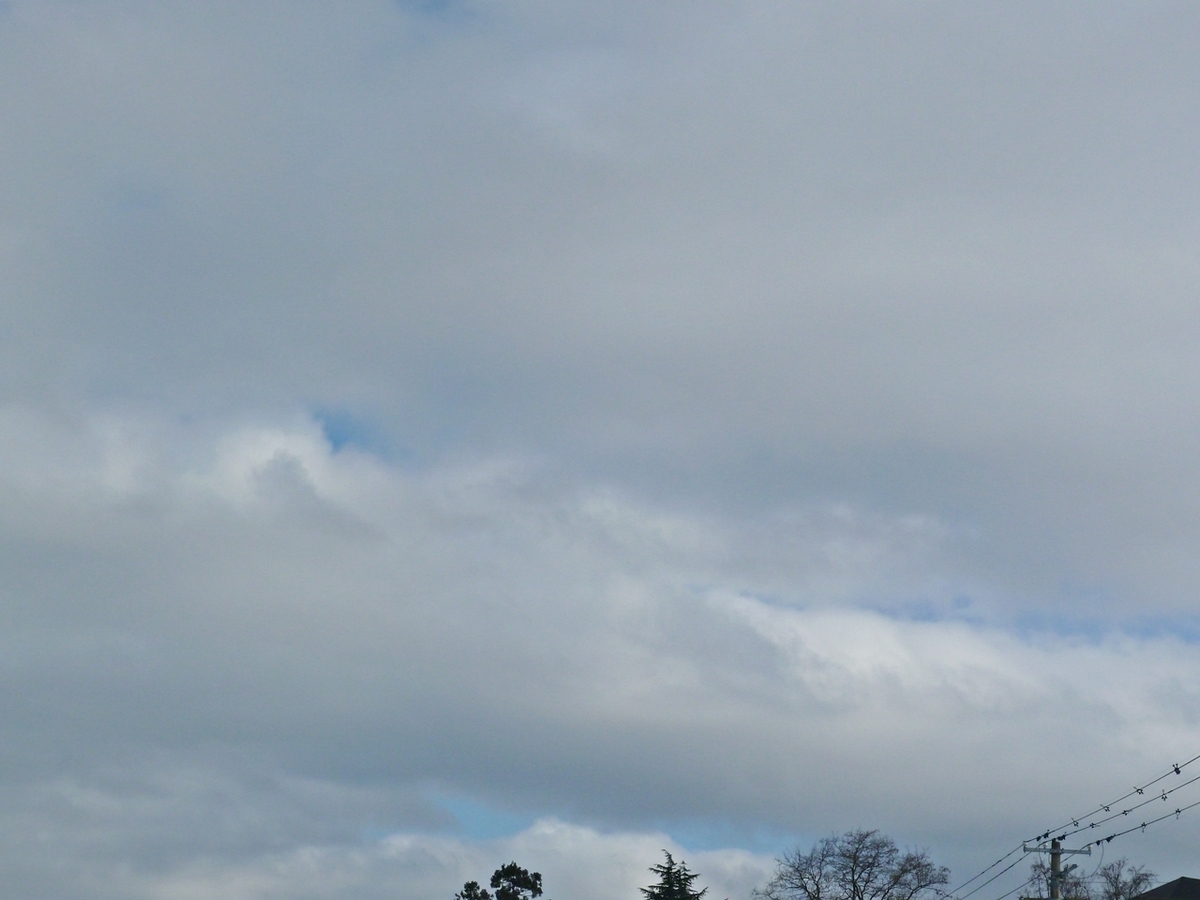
(674, 882)
(1071, 884)
(857, 865)
(1116, 881)
(1121, 881)
(472, 891)
(510, 882)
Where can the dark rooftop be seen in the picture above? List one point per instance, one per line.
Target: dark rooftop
(1179, 889)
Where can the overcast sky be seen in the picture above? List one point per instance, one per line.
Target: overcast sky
(440, 433)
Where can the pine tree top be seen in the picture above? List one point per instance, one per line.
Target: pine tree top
(674, 882)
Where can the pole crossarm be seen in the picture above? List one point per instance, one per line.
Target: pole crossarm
(1087, 851)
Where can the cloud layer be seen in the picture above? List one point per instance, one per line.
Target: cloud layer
(432, 434)
(251, 647)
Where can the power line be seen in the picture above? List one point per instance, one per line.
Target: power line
(984, 884)
(1163, 796)
(1098, 865)
(1028, 881)
(1177, 813)
(1032, 878)
(985, 871)
(1176, 769)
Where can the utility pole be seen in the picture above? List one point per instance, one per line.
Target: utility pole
(1057, 872)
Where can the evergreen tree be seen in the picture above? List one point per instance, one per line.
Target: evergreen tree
(510, 882)
(674, 882)
(472, 891)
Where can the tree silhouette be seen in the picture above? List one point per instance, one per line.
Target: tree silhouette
(472, 891)
(1116, 881)
(510, 882)
(674, 882)
(1121, 881)
(857, 865)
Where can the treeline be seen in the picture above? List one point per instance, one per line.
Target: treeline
(856, 865)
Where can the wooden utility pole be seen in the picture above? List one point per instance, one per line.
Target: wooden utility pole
(1056, 869)
(1057, 873)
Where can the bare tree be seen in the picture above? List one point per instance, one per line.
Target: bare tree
(857, 865)
(1073, 885)
(1121, 881)
(1116, 881)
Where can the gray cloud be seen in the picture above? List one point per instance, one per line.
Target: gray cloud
(927, 260)
(778, 418)
(276, 646)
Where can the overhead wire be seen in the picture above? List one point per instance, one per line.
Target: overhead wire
(1028, 881)
(1098, 865)
(986, 870)
(1032, 878)
(1176, 769)
(1179, 810)
(1161, 796)
(1074, 823)
(984, 884)
(1097, 843)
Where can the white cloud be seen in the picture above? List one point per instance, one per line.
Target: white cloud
(586, 864)
(273, 613)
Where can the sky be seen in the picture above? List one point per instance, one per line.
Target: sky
(434, 434)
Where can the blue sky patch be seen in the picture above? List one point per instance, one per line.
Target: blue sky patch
(481, 822)
(344, 429)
